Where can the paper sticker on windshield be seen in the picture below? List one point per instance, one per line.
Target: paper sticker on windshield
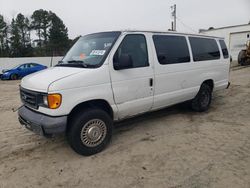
(82, 56)
(106, 45)
(97, 52)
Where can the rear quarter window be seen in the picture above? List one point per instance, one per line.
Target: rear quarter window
(171, 49)
(224, 49)
(204, 49)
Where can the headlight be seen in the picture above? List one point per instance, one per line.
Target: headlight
(52, 101)
(45, 100)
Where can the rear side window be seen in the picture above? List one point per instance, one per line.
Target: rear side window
(171, 49)
(224, 48)
(204, 49)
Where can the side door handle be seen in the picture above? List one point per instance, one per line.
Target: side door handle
(151, 82)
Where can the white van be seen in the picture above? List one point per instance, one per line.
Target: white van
(110, 76)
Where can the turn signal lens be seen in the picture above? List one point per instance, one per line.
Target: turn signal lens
(54, 101)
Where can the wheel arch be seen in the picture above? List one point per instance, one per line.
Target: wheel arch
(209, 82)
(96, 103)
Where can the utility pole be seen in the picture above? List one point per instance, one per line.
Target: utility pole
(173, 8)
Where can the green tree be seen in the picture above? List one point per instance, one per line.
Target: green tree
(15, 40)
(58, 36)
(24, 29)
(4, 46)
(73, 41)
(20, 41)
(41, 23)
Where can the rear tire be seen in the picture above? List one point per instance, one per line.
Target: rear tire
(202, 100)
(14, 77)
(242, 58)
(90, 131)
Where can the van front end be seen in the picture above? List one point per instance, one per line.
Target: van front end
(37, 122)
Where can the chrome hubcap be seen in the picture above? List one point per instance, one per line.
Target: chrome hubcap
(93, 132)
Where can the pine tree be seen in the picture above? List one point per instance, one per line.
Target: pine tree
(23, 27)
(20, 37)
(41, 23)
(15, 40)
(58, 36)
(4, 47)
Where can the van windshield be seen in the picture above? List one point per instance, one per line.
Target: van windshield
(90, 51)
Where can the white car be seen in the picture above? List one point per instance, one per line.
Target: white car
(110, 76)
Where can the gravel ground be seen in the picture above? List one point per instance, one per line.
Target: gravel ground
(173, 147)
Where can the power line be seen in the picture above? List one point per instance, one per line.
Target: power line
(188, 27)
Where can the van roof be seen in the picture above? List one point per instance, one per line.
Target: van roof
(171, 32)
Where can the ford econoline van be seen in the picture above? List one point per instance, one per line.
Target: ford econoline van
(110, 76)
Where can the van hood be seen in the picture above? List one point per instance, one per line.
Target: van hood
(40, 81)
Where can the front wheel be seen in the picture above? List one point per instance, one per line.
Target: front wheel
(90, 131)
(202, 100)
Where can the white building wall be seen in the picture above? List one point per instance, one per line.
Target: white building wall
(7, 63)
(227, 33)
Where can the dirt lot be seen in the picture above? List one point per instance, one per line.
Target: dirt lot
(169, 148)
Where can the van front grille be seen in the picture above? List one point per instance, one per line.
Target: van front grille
(29, 98)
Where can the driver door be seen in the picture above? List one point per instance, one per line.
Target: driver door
(133, 86)
(22, 70)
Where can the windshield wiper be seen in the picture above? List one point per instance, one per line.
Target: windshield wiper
(82, 63)
(76, 63)
(59, 62)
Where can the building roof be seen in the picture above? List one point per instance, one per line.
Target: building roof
(226, 27)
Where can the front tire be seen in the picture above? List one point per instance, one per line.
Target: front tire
(90, 131)
(202, 100)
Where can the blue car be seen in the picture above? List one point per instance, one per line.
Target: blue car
(21, 71)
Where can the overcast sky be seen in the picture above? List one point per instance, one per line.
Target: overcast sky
(86, 16)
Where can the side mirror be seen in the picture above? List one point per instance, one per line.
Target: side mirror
(161, 57)
(123, 62)
(4, 70)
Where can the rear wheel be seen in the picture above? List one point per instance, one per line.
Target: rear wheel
(90, 131)
(242, 57)
(14, 77)
(202, 100)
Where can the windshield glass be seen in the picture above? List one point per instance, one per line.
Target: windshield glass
(90, 50)
(15, 67)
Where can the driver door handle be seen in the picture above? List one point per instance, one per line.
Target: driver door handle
(151, 82)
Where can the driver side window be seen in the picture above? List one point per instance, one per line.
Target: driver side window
(135, 47)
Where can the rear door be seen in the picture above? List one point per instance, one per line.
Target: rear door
(132, 87)
(174, 70)
(28, 69)
(33, 68)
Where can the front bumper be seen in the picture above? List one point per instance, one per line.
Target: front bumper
(40, 123)
(4, 77)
